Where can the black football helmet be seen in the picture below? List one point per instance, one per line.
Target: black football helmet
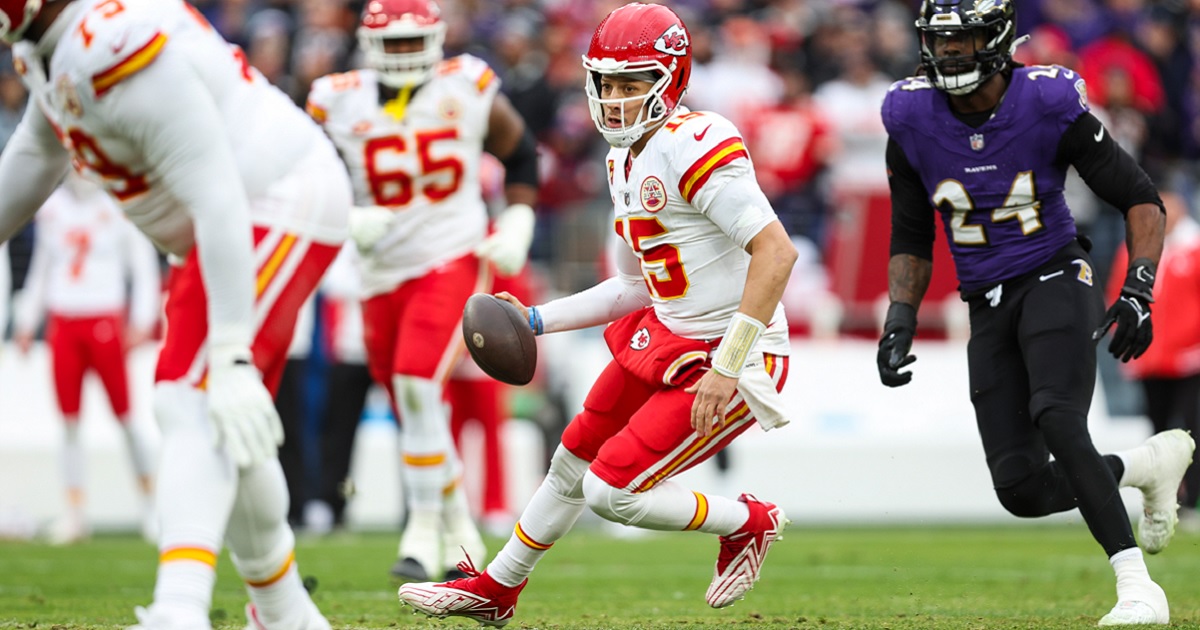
(986, 32)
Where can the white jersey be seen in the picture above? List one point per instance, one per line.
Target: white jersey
(691, 244)
(425, 166)
(84, 257)
(97, 112)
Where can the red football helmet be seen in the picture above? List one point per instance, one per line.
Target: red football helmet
(639, 39)
(15, 16)
(384, 20)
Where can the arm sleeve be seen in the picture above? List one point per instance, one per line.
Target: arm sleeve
(169, 114)
(739, 207)
(610, 300)
(146, 281)
(29, 310)
(32, 165)
(913, 225)
(1107, 169)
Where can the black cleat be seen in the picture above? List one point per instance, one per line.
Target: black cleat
(409, 570)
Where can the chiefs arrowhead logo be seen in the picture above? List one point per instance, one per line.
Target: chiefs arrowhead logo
(641, 339)
(673, 41)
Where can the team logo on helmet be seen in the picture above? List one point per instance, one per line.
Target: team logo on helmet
(654, 195)
(640, 339)
(673, 41)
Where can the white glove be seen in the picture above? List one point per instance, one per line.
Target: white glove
(241, 408)
(508, 246)
(368, 224)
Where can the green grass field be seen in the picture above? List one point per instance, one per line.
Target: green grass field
(896, 578)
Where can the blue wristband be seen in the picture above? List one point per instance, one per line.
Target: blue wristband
(535, 320)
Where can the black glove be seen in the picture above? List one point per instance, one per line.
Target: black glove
(1131, 313)
(898, 332)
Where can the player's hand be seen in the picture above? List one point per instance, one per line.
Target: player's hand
(508, 245)
(1131, 313)
(135, 337)
(369, 224)
(713, 392)
(898, 332)
(241, 408)
(24, 342)
(511, 299)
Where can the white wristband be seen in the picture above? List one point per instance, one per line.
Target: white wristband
(740, 337)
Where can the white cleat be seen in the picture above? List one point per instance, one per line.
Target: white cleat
(1148, 607)
(308, 617)
(155, 618)
(420, 550)
(461, 542)
(742, 554)
(1162, 461)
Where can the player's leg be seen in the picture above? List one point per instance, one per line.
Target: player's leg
(428, 345)
(629, 482)
(474, 396)
(1056, 323)
(106, 356)
(68, 365)
(261, 543)
(491, 596)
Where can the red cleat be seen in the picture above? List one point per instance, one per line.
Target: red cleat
(476, 596)
(743, 552)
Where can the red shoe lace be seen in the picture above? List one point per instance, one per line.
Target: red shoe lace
(467, 566)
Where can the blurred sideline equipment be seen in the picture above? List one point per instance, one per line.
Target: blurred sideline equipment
(412, 128)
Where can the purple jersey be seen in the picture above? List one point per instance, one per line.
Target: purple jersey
(998, 187)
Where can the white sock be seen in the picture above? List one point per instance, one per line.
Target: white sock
(139, 451)
(1130, 567)
(195, 493)
(551, 513)
(426, 441)
(665, 507)
(262, 545)
(73, 457)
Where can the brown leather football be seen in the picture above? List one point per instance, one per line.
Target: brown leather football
(499, 339)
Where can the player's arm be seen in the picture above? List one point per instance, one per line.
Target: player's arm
(167, 112)
(30, 304)
(510, 140)
(1116, 178)
(31, 166)
(910, 266)
(608, 301)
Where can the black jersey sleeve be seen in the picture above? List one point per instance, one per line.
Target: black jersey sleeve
(1107, 169)
(913, 226)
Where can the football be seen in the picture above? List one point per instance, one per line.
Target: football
(499, 339)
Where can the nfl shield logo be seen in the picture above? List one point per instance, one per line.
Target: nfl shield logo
(977, 142)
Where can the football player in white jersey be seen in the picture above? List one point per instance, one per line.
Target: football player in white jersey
(698, 336)
(221, 171)
(412, 127)
(84, 254)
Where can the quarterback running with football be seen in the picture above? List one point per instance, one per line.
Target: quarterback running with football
(697, 332)
(412, 127)
(985, 144)
(221, 171)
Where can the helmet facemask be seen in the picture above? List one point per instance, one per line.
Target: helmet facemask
(987, 43)
(401, 69)
(652, 107)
